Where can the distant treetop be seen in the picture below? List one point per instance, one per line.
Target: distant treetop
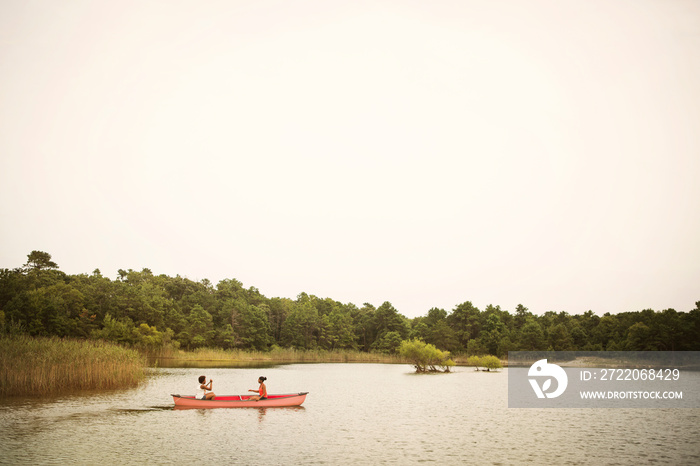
(39, 260)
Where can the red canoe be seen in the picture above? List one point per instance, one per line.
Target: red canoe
(241, 401)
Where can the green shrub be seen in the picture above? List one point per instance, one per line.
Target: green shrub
(488, 362)
(491, 362)
(425, 357)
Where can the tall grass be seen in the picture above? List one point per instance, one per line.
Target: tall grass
(41, 366)
(288, 355)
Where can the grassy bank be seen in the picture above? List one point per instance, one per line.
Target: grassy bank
(291, 355)
(281, 355)
(42, 366)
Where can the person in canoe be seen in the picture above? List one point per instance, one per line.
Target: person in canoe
(204, 390)
(262, 390)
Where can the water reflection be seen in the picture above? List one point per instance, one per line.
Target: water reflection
(143, 410)
(250, 408)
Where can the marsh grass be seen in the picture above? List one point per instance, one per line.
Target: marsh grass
(42, 366)
(281, 355)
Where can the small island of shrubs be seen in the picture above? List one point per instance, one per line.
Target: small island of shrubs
(486, 363)
(425, 357)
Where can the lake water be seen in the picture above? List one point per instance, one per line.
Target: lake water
(354, 414)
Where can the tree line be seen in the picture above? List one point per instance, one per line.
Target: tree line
(150, 311)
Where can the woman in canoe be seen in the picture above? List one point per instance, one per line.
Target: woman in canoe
(262, 390)
(204, 390)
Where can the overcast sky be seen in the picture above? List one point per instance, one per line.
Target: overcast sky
(424, 153)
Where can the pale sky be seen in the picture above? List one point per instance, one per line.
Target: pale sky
(424, 153)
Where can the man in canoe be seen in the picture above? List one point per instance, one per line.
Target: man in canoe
(204, 390)
(262, 391)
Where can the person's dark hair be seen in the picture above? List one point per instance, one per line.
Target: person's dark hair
(202, 379)
(262, 378)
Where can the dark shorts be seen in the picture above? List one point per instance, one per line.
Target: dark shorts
(263, 398)
(204, 397)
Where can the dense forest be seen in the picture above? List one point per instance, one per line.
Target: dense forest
(150, 311)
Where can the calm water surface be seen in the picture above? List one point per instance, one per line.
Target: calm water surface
(355, 413)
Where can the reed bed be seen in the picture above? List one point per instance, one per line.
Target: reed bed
(42, 366)
(286, 355)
